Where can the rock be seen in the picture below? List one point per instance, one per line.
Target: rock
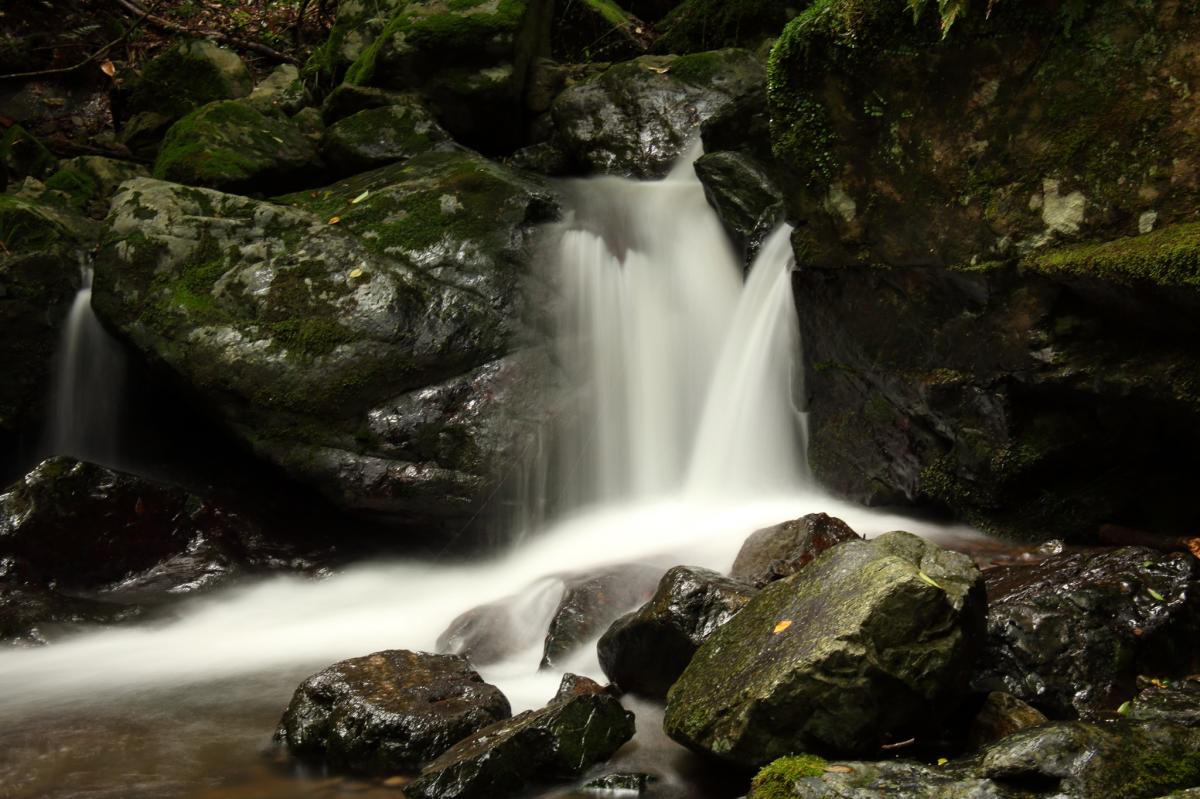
(872, 641)
(808, 777)
(357, 26)
(33, 614)
(591, 603)
(1070, 634)
(380, 136)
(1175, 701)
(597, 30)
(385, 359)
(776, 552)
(282, 91)
(490, 633)
(232, 146)
(644, 652)
(189, 75)
(620, 783)
(744, 196)
(1001, 715)
(578, 728)
(348, 99)
(636, 117)
(23, 156)
(89, 181)
(390, 711)
(544, 158)
(1001, 204)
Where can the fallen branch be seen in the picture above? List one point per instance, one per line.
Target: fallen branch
(244, 44)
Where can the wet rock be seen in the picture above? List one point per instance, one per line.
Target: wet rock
(1173, 701)
(620, 783)
(544, 158)
(1001, 715)
(591, 603)
(581, 726)
(282, 91)
(636, 117)
(380, 136)
(388, 358)
(644, 652)
(490, 633)
(390, 711)
(233, 146)
(744, 196)
(189, 75)
(33, 614)
(776, 552)
(1070, 634)
(873, 641)
(808, 777)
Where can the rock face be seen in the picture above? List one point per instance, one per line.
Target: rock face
(233, 146)
(1071, 634)
(644, 652)
(581, 726)
(590, 603)
(636, 117)
(379, 136)
(744, 196)
(391, 711)
(998, 312)
(374, 340)
(871, 640)
(776, 552)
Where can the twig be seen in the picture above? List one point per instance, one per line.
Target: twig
(244, 44)
(898, 745)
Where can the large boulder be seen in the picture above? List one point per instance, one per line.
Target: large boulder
(1071, 634)
(375, 137)
(773, 553)
(998, 258)
(390, 711)
(233, 146)
(583, 725)
(590, 603)
(373, 338)
(636, 117)
(871, 642)
(645, 651)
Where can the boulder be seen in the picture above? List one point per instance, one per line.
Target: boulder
(373, 338)
(1001, 715)
(744, 196)
(390, 711)
(581, 726)
(89, 181)
(636, 117)
(379, 136)
(969, 195)
(349, 99)
(1070, 634)
(644, 652)
(356, 27)
(232, 146)
(590, 603)
(282, 91)
(782, 550)
(871, 642)
(34, 614)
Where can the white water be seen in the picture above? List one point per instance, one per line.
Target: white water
(87, 386)
(688, 439)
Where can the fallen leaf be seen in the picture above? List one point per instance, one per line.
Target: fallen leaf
(1155, 594)
(356, 272)
(941, 761)
(783, 625)
(333, 220)
(1193, 544)
(659, 70)
(360, 197)
(108, 68)
(929, 580)
(836, 769)
(1124, 708)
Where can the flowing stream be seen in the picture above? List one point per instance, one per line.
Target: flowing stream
(687, 437)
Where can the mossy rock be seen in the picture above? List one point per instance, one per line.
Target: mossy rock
(282, 91)
(189, 75)
(380, 136)
(88, 181)
(357, 26)
(233, 146)
(23, 156)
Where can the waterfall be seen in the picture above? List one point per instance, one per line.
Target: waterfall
(86, 395)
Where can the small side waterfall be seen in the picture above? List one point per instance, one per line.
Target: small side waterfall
(86, 396)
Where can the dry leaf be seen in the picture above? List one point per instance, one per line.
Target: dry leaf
(783, 625)
(836, 769)
(108, 68)
(333, 220)
(1193, 544)
(659, 70)
(360, 198)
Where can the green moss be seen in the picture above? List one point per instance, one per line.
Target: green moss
(1157, 773)
(777, 780)
(1166, 257)
(79, 187)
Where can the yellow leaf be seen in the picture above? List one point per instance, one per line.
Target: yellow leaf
(783, 625)
(356, 272)
(108, 68)
(941, 761)
(333, 220)
(360, 197)
(929, 580)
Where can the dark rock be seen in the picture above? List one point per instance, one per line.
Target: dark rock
(389, 359)
(23, 156)
(744, 196)
(1001, 715)
(1174, 701)
(1070, 634)
(231, 145)
(695, 25)
(380, 136)
(580, 727)
(90, 181)
(644, 652)
(187, 76)
(1046, 395)
(544, 158)
(348, 99)
(31, 613)
(391, 711)
(622, 783)
(784, 549)
(490, 633)
(873, 641)
(591, 603)
(636, 117)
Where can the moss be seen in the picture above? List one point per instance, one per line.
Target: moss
(777, 780)
(1166, 257)
(22, 155)
(1156, 773)
(79, 187)
(178, 81)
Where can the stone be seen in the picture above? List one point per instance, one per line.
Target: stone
(590, 603)
(1173, 701)
(379, 136)
(1070, 634)
(282, 91)
(232, 146)
(493, 632)
(187, 76)
(744, 196)
(782, 550)
(581, 726)
(636, 117)
(89, 181)
(644, 652)
(620, 784)
(389, 711)
(1001, 715)
(871, 642)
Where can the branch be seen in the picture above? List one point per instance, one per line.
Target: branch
(144, 14)
(244, 44)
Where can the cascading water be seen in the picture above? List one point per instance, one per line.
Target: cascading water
(686, 439)
(86, 397)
